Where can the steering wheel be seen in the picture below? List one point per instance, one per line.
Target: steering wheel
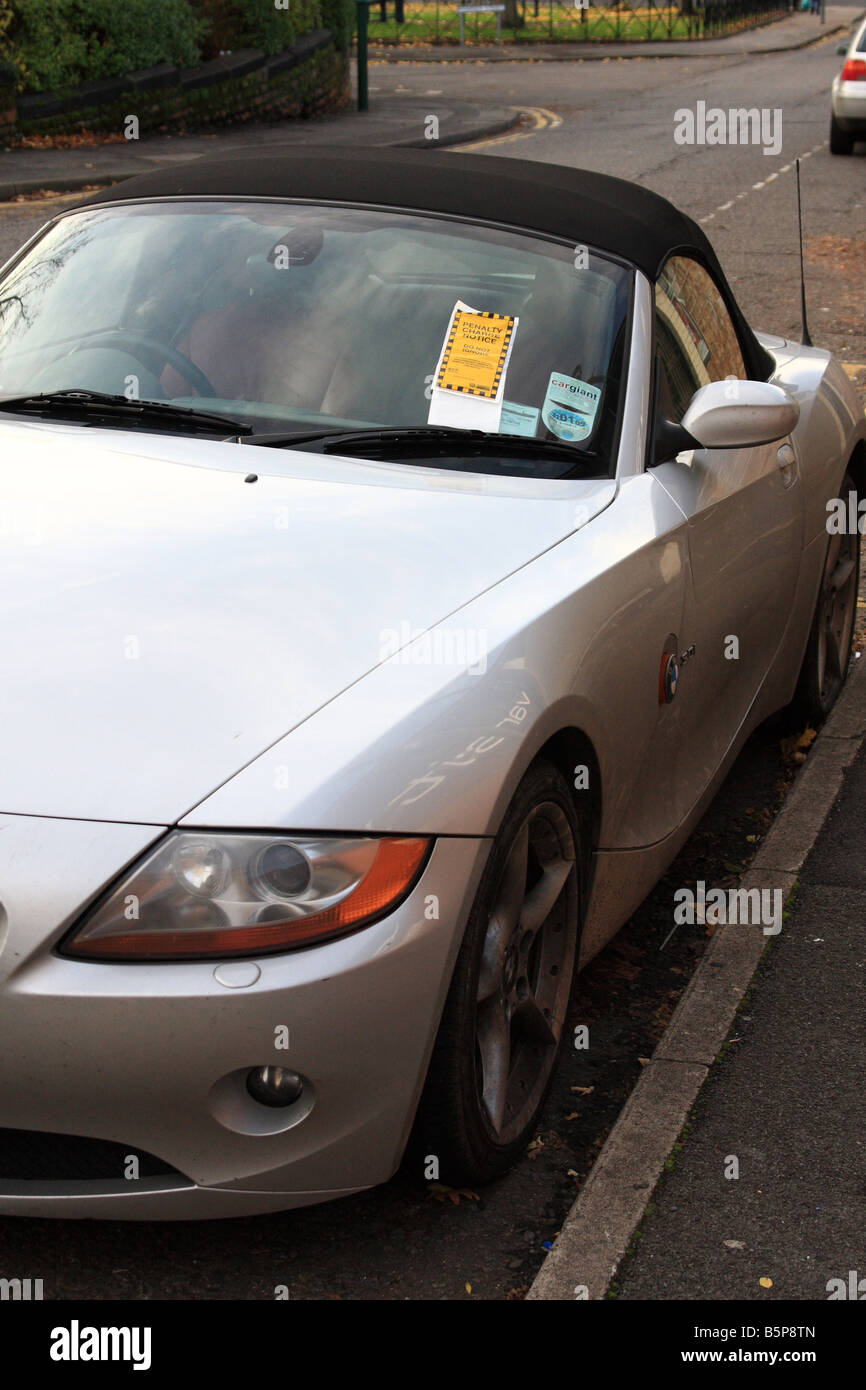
(159, 353)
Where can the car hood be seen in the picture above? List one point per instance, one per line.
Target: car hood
(165, 619)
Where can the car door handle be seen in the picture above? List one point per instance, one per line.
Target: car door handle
(787, 464)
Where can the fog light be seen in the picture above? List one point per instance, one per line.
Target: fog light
(275, 1086)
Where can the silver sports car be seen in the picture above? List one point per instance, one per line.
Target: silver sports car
(396, 552)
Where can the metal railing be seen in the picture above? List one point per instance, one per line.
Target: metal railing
(546, 21)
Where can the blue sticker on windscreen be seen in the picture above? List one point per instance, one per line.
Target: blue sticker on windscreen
(569, 407)
(518, 419)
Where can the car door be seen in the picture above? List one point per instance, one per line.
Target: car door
(745, 526)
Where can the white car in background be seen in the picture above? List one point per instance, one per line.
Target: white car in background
(848, 96)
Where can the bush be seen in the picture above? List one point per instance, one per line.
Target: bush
(56, 44)
(339, 17)
(238, 24)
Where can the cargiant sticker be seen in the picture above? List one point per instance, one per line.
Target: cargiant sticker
(569, 407)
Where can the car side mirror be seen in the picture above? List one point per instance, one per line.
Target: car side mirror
(842, 49)
(735, 414)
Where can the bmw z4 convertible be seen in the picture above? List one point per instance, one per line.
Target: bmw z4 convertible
(395, 552)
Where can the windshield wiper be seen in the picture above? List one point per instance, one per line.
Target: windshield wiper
(423, 441)
(78, 403)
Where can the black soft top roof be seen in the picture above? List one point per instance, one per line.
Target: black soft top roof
(606, 213)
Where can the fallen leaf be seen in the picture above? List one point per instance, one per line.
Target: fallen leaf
(441, 1193)
(575, 1115)
(583, 1090)
(735, 1244)
(644, 1061)
(765, 1283)
(468, 1288)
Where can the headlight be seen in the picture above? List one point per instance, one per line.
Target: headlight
(200, 894)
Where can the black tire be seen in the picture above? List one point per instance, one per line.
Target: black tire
(828, 651)
(495, 1052)
(841, 142)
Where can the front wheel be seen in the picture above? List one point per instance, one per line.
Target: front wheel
(828, 652)
(505, 1013)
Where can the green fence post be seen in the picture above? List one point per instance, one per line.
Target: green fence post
(362, 14)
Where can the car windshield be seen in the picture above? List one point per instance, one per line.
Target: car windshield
(291, 316)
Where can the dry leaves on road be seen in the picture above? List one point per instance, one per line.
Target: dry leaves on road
(442, 1193)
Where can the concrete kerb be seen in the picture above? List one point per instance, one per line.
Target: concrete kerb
(467, 137)
(598, 1230)
(14, 188)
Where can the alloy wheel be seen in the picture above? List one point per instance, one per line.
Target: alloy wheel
(837, 609)
(525, 973)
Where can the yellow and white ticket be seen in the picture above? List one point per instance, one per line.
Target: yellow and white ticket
(469, 381)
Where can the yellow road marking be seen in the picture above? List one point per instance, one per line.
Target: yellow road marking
(542, 120)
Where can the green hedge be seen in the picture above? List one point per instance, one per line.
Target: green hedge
(339, 17)
(259, 24)
(234, 24)
(56, 44)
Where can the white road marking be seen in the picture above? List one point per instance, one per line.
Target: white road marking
(785, 169)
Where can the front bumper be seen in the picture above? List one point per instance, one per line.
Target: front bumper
(153, 1056)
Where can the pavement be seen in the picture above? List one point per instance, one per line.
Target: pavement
(395, 119)
(797, 31)
(735, 1170)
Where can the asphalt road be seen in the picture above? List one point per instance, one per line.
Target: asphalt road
(403, 1241)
